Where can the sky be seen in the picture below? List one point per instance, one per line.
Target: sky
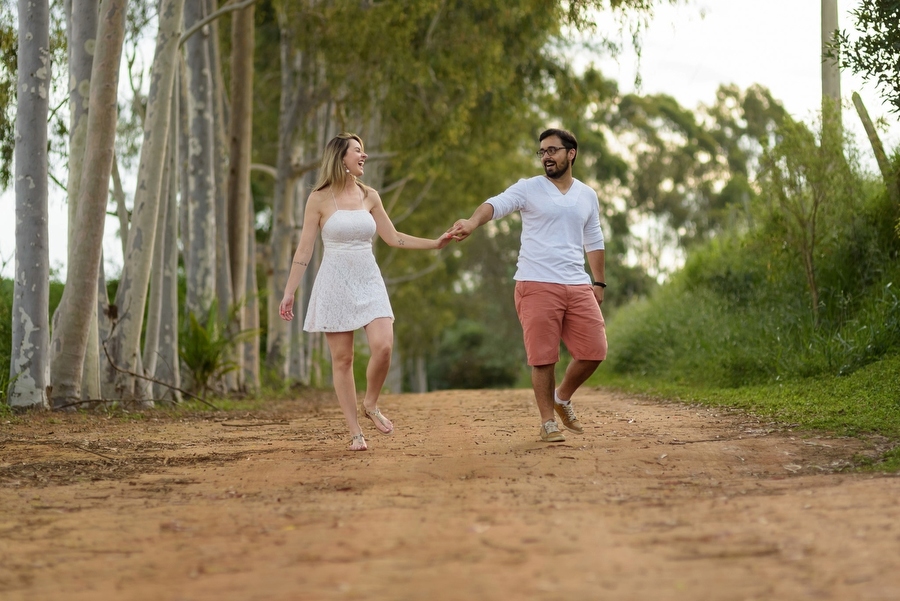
(688, 50)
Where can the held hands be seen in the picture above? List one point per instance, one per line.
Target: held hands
(287, 307)
(443, 241)
(461, 230)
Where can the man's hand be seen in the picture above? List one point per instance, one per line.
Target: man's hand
(461, 229)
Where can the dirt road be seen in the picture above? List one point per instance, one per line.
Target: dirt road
(462, 502)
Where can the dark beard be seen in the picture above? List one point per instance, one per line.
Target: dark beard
(559, 170)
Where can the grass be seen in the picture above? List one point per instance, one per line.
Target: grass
(865, 403)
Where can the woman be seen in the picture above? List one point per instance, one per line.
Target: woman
(349, 292)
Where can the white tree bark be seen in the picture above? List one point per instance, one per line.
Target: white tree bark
(30, 362)
(168, 367)
(78, 304)
(240, 134)
(283, 224)
(250, 312)
(81, 16)
(152, 328)
(201, 266)
(831, 70)
(131, 297)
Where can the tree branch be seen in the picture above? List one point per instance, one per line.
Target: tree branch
(227, 8)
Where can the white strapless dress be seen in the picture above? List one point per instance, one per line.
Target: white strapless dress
(349, 291)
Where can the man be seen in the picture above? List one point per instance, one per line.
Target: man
(555, 298)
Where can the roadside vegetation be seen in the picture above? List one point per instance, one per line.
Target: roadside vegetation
(804, 331)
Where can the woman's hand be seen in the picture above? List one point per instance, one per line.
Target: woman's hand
(287, 307)
(443, 241)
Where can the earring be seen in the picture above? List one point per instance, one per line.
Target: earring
(346, 170)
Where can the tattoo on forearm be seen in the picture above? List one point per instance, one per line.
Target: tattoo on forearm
(300, 263)
(401, 242)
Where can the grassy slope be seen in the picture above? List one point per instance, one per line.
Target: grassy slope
(866, 402)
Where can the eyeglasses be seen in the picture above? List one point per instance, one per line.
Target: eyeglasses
(551, 150)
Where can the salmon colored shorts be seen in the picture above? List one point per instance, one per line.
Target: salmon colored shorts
(553, 312)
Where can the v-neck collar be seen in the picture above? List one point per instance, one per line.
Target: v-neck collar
(555, 188)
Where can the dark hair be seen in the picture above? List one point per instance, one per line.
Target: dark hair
(567, 137)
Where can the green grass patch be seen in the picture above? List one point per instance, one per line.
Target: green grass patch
(866, 402)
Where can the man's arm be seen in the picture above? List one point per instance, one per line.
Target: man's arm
(597, 263)
(462, 228)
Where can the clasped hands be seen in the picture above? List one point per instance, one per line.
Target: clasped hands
(460, 230)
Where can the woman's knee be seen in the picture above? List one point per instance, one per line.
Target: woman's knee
(381, 350)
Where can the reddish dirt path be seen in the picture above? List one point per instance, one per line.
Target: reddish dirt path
(654, 501)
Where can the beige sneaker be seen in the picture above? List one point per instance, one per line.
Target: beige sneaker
(567, 416)
(550, 432)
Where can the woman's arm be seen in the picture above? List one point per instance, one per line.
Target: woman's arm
(390, 235)
(302, 256)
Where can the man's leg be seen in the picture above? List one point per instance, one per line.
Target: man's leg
(543, 380)
(577, 374)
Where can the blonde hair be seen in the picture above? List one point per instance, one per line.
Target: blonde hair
(332, 171)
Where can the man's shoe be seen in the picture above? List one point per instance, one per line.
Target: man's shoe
(550, 432)
(567, 416)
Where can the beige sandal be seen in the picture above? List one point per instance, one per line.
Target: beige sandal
(358, 443)
(381, 422)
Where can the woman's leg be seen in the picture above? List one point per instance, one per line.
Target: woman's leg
(380, 333)
(341, 346)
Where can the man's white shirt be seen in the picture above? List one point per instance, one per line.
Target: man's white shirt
(557, 228)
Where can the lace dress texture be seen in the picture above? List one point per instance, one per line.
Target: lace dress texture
(349, 291)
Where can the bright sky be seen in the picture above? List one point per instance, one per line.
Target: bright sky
(688, 51)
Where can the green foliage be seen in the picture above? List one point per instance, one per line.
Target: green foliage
(866, 402)
(207, 347)
(471, 356)
(739, 312)
(8, 73)
(875, 49)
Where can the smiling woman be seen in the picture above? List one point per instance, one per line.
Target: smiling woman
(349, 292)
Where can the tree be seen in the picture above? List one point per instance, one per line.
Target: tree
(30, 362)
(131, 296)
(240, 140)
(200, 198)
(78, 304)
(875, 50)
(831, 67)
(807, 194)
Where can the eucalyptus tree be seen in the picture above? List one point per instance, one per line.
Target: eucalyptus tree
(131, 296)
(200, 199)
(831, 67)
(81, 20)
(78, 304)
(240, 134)
(30, 361)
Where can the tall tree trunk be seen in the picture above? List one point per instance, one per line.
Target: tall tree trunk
(831, 70)
(240, 133)
(81, 16)
(224, 292)
(131, 297)
(283, 225)
(250, 311)
(201, 197)
(152, 328)
(168, 367)
(888, 173)
(78, 304)
(30, 362)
